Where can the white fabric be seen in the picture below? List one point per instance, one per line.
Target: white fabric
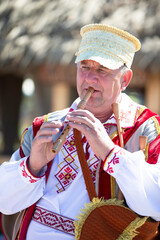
(139, 182)
(133, 172)
(16, 192)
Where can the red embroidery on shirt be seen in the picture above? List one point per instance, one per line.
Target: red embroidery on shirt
(25, 174)
(69, 168)
(125, 116)
(70, 144)
(114, 161)
(54, 220)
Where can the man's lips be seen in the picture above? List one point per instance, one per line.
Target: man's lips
(95, 90)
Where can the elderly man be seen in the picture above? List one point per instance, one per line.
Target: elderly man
(52, 184)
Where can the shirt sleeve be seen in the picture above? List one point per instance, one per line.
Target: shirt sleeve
(138, 180)
(19, 188)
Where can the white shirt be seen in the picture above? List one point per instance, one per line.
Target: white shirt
(138, 180)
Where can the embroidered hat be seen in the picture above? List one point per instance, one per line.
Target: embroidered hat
(107, 45)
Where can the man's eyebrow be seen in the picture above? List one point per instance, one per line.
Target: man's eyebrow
(84, 62)
(101, 66)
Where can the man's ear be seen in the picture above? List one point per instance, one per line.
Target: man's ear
(126, 78)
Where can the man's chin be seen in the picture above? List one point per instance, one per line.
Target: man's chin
(92, 106)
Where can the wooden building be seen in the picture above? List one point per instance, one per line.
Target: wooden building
(39, 39)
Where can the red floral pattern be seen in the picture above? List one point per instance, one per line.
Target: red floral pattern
(114, 161)
(26, 173)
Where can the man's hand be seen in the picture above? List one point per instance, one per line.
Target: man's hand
(93, 130)
(41, 150)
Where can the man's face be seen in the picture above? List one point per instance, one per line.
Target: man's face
(106, 82)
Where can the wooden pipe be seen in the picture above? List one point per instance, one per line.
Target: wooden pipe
(57, 145)
(115, 109)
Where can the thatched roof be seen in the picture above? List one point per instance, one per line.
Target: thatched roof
(34, 32)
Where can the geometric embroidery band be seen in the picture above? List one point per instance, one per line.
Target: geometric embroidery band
(54, 220)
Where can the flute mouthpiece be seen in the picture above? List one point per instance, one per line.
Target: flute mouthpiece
(85, 99)
(62, 137)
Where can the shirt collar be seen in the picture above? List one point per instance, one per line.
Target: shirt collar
(128, 112)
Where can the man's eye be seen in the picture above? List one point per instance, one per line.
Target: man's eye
(101, 70)
(85, 67)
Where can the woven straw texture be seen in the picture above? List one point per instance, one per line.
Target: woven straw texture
(107, 45)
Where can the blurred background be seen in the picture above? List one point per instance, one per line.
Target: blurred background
(38, 41)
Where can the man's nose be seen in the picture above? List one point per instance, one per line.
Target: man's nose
(91, 76)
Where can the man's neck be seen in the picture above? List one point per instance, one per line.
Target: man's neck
(103, 117)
